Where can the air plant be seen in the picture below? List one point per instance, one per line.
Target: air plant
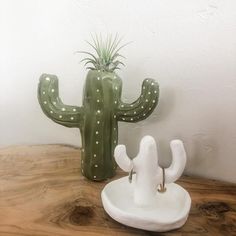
(107, 54)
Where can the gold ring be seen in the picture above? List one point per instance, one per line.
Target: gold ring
(131, 175)
(162, 188)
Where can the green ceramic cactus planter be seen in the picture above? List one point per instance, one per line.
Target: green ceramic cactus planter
(102, 108)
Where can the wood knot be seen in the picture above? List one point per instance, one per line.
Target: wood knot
(82, 212)
(229, 227)
(214, 209)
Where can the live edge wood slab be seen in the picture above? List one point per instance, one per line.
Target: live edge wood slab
(43, 193)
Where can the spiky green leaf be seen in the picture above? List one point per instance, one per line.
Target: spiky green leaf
(106, 53)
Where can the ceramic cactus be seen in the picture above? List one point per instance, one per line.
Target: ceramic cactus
(139, 203)
(101, 110)
(148, 173)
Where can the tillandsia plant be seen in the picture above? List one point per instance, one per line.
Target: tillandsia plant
(102, 107)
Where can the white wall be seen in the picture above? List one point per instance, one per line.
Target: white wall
(188, 46)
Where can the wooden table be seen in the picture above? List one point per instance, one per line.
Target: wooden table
(43, 193)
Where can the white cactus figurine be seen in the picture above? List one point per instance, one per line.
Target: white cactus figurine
(148, 173)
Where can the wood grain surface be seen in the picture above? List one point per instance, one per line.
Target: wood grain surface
(43, 193)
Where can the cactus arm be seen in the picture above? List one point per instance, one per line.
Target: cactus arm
(143, 106)
(122, 159)
(177, 166)
(53, 107)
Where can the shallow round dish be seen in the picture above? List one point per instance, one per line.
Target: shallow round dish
(169, 211)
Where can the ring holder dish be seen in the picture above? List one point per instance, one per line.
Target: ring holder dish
(148, 198)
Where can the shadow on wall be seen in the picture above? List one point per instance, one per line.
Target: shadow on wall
(161, 112)
(164, 107)
(203, 153)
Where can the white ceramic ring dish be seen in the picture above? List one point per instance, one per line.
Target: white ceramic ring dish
(139, 204)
